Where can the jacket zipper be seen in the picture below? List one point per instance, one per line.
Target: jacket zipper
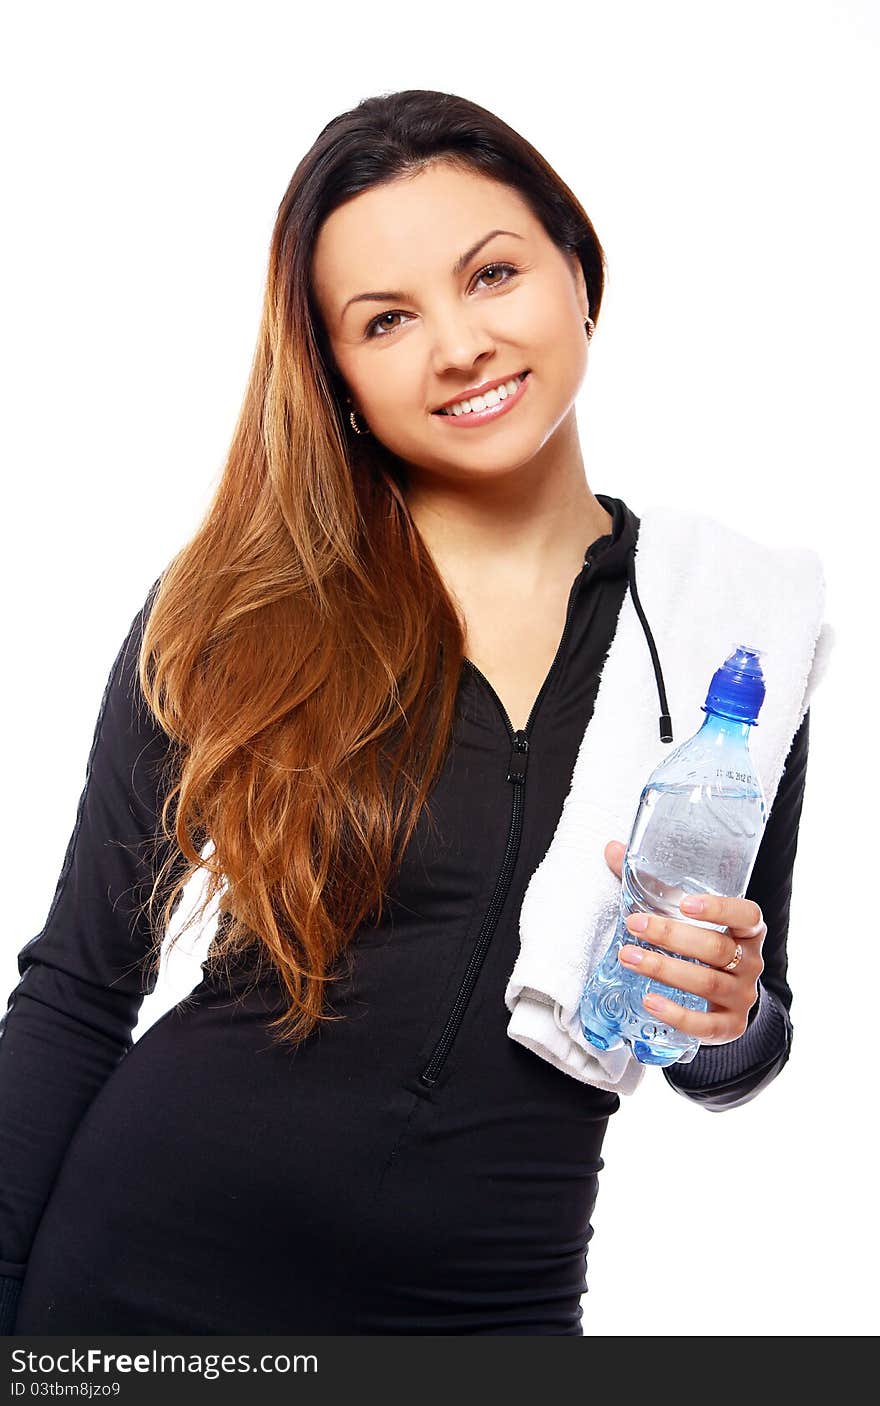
(516, 775)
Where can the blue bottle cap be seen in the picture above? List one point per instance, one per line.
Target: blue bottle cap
(737, 688)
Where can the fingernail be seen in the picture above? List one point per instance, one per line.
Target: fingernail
(631, 955)
(637, 922)
(691, 904)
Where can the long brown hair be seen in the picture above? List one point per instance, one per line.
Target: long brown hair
(301, 650)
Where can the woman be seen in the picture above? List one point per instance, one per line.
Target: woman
(402, 582)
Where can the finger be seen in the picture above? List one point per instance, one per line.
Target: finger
(712, 1027)
(614, 852)
(688, 939)
(742, 915)
(720, 987)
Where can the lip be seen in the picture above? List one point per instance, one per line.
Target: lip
(491, 412)
(476, 390)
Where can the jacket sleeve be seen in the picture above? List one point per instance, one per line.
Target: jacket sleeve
(726, 1076)
(69, 1020)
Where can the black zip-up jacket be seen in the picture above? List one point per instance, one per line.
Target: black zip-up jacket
(410, 1168)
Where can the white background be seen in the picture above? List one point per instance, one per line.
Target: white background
(727, 157)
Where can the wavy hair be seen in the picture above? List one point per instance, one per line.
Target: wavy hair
(301, 650)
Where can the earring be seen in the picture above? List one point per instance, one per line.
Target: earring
(354, 424)
(590, 327)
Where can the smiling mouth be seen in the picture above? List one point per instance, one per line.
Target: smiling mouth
(448, 410)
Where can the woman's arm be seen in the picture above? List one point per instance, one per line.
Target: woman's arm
(726, 1076)
(69, 1019)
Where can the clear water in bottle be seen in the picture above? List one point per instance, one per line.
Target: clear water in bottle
(697, 830)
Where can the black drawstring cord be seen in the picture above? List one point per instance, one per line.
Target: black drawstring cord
(665, 718)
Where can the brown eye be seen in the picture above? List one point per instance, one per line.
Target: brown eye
(380, 319)
(497, 268)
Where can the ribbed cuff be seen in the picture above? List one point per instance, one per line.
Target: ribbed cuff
(765, 1039)
(9, 1293)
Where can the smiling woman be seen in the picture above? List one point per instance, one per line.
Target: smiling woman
(353, 703)
(461, 330)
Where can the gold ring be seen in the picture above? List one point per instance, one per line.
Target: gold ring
(735, 959)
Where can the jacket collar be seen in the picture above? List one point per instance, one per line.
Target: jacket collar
(608, 554)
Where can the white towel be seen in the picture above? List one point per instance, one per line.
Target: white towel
(705, 588)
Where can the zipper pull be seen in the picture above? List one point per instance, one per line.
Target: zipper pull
(518, 758)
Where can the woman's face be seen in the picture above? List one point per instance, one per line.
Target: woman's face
(517, 303)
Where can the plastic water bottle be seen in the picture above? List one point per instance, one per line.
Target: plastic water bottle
(697, 830)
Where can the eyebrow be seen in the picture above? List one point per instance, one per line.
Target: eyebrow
(458, 267)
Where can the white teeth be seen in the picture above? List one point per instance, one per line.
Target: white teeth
(479, 402)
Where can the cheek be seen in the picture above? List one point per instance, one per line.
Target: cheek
(562, 330)
(559, 329)
(392, 381)
(394, 405)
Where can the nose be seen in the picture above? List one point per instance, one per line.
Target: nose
(459, 342)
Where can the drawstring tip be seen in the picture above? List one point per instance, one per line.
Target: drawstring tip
(665, 727)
